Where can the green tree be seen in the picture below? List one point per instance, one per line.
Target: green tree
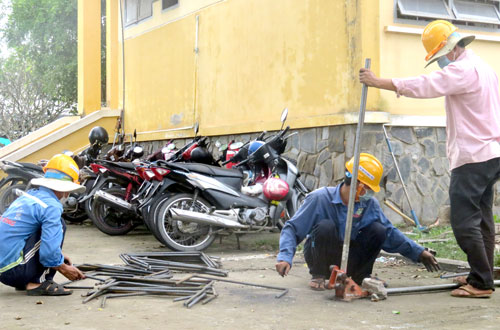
(44, 34)
(24, 106)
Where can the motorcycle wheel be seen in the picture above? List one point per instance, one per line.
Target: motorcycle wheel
(75, 217)
(149, 215)
(290, 211)
(183, 235)
(111, 221)
(8, 196)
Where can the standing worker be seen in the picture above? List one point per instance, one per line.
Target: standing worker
(322, 218)
(32, 232)
(472, 102)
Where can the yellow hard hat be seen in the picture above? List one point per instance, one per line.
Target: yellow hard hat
(61, 174)
(370, 170)
(435, 35)
(65, 164)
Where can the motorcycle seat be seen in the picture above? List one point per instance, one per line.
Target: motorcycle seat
(211, 170)
(32, 166)
(124, 165)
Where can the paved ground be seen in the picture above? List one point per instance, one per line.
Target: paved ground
(239, 306)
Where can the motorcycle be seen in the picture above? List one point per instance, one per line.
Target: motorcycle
(18, 177)
(118, 209)
(20, 174)
(209, 200)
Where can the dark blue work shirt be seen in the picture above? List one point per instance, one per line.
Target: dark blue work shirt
(325, 203)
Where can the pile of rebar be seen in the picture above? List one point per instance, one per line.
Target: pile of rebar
(151, 273)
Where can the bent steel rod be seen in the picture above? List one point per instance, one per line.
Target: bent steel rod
(354, 179)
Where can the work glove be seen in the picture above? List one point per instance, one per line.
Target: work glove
(429, 261)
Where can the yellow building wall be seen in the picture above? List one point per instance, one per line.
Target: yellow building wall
(403, 55)
(255, 58)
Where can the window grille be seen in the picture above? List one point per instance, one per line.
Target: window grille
(479, 13)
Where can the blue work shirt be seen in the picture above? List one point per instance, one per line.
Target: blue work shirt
(325, 203)
(38, 209)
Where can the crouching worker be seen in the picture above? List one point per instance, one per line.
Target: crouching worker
(322, 219)
(32, 232)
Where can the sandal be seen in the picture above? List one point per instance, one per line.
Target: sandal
(49, 288)
(317, 284)
(462, 280)
(468, 291)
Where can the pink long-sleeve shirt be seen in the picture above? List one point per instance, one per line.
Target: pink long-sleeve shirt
(472, 101)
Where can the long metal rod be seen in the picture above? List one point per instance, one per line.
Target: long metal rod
(428, 288)
(413, 214)
(354, 180)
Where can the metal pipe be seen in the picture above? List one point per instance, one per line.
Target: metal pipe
(354, 179)
(454, 275)
(428, 288)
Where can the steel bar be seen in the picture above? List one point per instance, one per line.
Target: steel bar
(200, 292)
(100, 291)
(209, 299)
(354, 179)
(249, 284)
(171, 292)
(197, 299)
(413, 214)
(454, 275)
(428, 288)
(181, 298)
(75, 287)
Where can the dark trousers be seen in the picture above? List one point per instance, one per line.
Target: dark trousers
(324, 248)
(30, 270)
(471, 198)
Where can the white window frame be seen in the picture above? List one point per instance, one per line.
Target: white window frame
(139, 14)
(453, 15)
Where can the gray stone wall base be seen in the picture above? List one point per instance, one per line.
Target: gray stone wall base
(321, 154)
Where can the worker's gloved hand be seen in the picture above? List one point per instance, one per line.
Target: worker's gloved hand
(283, 267)
(70, 272)
(430, 263)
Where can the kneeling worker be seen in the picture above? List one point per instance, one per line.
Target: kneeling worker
(32, 232)
(322, 219)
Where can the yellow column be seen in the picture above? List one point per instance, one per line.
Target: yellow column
(89, 56)
(112, 51)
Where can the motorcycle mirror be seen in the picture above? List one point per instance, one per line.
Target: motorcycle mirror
(196, 128)
(170, 146)
(135, 135)
(236, 145)
(218, 144)
(284, 114)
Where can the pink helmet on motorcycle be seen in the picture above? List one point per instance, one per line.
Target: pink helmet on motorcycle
(275, 189)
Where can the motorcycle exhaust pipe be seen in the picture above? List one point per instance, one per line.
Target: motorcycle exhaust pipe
(113, 201)
(204, 219)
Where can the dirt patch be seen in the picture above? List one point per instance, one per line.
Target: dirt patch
(241, 306)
